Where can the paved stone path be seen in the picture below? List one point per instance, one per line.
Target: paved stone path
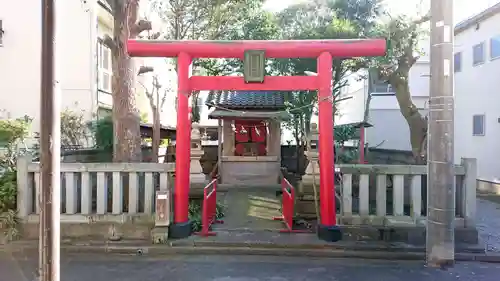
(254, 210)
(488, 224)
(251, 209)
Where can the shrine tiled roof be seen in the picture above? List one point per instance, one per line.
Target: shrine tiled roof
(258, 100)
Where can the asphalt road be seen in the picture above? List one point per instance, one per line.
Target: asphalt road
(20, 267)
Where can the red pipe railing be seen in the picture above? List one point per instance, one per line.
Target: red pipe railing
(288, 208)
(209, 209)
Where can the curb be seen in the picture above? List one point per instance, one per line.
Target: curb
(164, 250)
(155, 251)
(309, 247)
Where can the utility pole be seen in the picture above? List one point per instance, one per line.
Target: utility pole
(441, 175)
(50, 143)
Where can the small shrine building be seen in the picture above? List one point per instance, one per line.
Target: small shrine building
(249, 134)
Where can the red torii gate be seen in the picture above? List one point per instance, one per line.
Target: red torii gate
(323, 50)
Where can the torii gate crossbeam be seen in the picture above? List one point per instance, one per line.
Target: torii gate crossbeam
(323, 50)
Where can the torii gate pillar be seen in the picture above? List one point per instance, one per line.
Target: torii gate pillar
(327, 229)
(182, 226)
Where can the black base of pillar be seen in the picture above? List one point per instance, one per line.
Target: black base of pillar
(329, 233)
(180, 230)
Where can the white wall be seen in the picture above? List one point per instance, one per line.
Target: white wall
(390, 129)
(20, 58)
(78, 58)
(477, 92)
(104, 27)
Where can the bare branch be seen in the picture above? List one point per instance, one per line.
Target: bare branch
(154, 36)
(156, 83)
(140, 26)
(148, 93)
(163, 99)
(145, 69)
(423, 19)
(109, 42)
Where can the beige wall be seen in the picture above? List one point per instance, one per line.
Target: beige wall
(105, 28)
(20, 58)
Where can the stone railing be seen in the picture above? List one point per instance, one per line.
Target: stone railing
(395, 192)
(93, 189)
(389, 194)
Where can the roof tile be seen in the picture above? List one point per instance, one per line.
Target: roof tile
(246, 100)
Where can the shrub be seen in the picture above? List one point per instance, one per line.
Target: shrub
(13, 132)
(195, 212)
(74, 129)
(102, 129)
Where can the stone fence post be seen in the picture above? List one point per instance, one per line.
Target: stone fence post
(24, 192)
(467, 203)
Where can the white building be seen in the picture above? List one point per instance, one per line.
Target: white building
(85, 63)
(20, 53)
(477, 115)
(390, 130)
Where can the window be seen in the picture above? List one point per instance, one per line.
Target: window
(382, 88)
(457, 62)
(1, 33)
(104, 60)
(495, 47)
(478, 54)
(478, 125)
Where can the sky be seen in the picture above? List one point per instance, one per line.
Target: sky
(463, 8)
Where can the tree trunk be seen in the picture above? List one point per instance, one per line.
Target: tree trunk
(126, 120)
(416, 122)
(196, 110)
(156, 134)
(307, 125)
(366, 118)
(296, 134)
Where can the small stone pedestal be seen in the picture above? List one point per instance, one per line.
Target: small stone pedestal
(196, 177)
(312, 170)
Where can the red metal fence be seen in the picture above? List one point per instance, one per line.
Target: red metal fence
(209, 209)
(288, 208)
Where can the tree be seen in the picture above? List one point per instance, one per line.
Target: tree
(363, 13)
(331, 19)
(126, 120)
(403, 34)
(74, 130)
(156, 102)
(364, 17)
(202, 20)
